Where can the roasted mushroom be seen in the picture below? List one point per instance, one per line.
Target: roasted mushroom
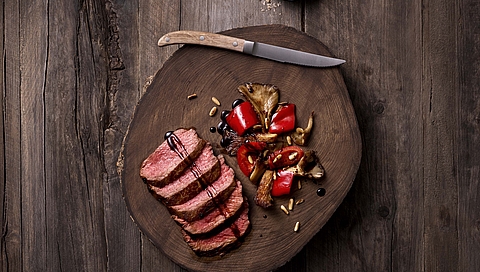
(264, 99)
(300, 135)
(308, 166)
(263, 198)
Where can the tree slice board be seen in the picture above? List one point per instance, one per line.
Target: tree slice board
(209, 72)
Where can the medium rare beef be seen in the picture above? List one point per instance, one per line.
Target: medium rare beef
(169, 160)
(207, 200)
(225, 239)
(201, 173)
(217, 217)
(200, 192)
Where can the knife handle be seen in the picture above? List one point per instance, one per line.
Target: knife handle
(202, 38)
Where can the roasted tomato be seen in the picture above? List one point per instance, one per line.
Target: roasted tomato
(252, 149)
(242, 117)
(286, 156)
(283, 120)
(282, 184)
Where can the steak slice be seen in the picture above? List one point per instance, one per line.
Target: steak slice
(224, 240)
(165, 164)
(201, 173)
(207, 200)
(217, 217)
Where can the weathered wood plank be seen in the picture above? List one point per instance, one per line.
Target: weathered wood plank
(214, 16)
(439, 92)
(380, 224)
(11, 258)
(123, 237)
(74, 101)
(467, 160)
(33, 66)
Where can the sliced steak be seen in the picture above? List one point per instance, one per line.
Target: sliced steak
(201, 173)
(217, 217)
(221, 241)
(207, 200)
(169, 160)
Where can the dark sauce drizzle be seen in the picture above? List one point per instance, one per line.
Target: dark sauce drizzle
(173, 142)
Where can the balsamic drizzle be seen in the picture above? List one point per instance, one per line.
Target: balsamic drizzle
(173, 142)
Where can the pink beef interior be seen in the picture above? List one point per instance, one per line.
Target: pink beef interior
(220, 189)
(188, 185)
(217, 216)
(224, 238)
(164, 161)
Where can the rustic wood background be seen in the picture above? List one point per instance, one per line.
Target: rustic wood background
(73, 71)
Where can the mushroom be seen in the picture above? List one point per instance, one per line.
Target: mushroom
(264, 99)
(300, 135)
(308, 166)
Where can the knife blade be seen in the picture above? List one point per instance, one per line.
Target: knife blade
(263, 50)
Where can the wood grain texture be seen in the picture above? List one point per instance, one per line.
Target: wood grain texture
(11, 247)
(214, 72)
(412, 73)
(384, 212)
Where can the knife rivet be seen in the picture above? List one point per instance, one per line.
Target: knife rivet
(167, 39)
(202, 38)
(235, 44)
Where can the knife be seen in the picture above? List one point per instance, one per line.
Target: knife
(258, 49)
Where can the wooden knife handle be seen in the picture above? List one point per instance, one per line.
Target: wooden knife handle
(202, 38)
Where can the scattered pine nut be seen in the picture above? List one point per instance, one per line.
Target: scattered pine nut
(292, 156)
(192, 96)
(289, 140)
(250, 159)
(284, 210)
(290, 204)
(297, 226)
(215, 100)
(300, 201)
(278, 157)
(299, 184)
(213, 111)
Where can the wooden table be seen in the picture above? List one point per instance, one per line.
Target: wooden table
(73, 72)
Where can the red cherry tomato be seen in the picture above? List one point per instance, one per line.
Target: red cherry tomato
(282, 184)
(286, 156)
(283, 120)
(252, 149)
(242, 117)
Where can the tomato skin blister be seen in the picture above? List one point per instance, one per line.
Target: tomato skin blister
(283, 120)
(242, 118)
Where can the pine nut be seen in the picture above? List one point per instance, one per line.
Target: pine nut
(284, 210)
(213, 111)
(297, 226)
(215, 100)
(192, 96)
(278, 157)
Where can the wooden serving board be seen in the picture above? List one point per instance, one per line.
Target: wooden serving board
(215, 72)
